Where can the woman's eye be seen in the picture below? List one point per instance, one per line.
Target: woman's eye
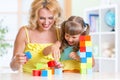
(41, 18)
(51, 18)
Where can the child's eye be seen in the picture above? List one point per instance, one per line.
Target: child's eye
(66, 35)
(74, 37)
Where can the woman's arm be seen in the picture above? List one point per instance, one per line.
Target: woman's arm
(19, 46)
(54, 49)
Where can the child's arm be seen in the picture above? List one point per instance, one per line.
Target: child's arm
(93, 61)
(74, 56)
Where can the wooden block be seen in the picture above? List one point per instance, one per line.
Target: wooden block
(89, 65)
(51, 63)
(83, 60)
(83, 65)
(89, 60)
(88, 43)
(36, 72)
(82, 49)
(45, 73)
(88, 54)
(87, 38)
(28, 55)
(82, 38)
(58, 71)
(83, 71)
(82, 54)
(82, 43)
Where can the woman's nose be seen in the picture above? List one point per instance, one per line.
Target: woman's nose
(46, 21)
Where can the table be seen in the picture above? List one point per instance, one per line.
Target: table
(64, 76)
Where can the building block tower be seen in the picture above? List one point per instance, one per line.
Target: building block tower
(85, 54)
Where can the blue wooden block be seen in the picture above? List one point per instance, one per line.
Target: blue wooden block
(44, 73)
(88, 54)
(83, 60)
(28, 55)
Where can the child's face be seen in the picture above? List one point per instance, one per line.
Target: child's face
(72, 39)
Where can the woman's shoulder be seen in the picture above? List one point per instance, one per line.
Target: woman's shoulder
(23, 28)
(22, 31)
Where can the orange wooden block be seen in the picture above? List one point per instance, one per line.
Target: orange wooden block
(82, 43)
(52, 69)
(87, 38)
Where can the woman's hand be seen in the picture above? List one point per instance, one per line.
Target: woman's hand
(55, 50)
(74, 56)
(18, 60)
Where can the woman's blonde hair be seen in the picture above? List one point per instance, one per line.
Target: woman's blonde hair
(51, 5)
(73, 26)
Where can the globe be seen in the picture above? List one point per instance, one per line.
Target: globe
(110, 19)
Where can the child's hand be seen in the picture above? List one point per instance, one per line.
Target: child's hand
(74, 56)
(58, 65)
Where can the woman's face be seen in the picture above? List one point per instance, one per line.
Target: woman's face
(46, 19)
(72, 39)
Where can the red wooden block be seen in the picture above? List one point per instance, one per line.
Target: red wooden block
(82, 49)
(82, 38)
(51, 63)
(36, 72)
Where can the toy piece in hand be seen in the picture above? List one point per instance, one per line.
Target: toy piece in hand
(28, 55)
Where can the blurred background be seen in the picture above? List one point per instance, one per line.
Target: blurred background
(15, 13)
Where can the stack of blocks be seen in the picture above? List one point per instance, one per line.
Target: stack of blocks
(47, 72)
(85, 55)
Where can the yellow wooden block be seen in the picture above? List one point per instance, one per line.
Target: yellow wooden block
(83, 71)
(49, 72)
(89, 60)
(89, 65)
(83, 65)
(88, 43)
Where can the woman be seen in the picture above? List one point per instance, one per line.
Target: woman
(40, 37)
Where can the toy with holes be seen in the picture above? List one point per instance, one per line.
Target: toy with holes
(85, 54)
(28, 55)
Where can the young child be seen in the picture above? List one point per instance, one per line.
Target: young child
(71, 30)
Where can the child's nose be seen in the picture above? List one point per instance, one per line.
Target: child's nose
(70, 39)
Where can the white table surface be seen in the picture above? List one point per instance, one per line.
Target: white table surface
(64, 76)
